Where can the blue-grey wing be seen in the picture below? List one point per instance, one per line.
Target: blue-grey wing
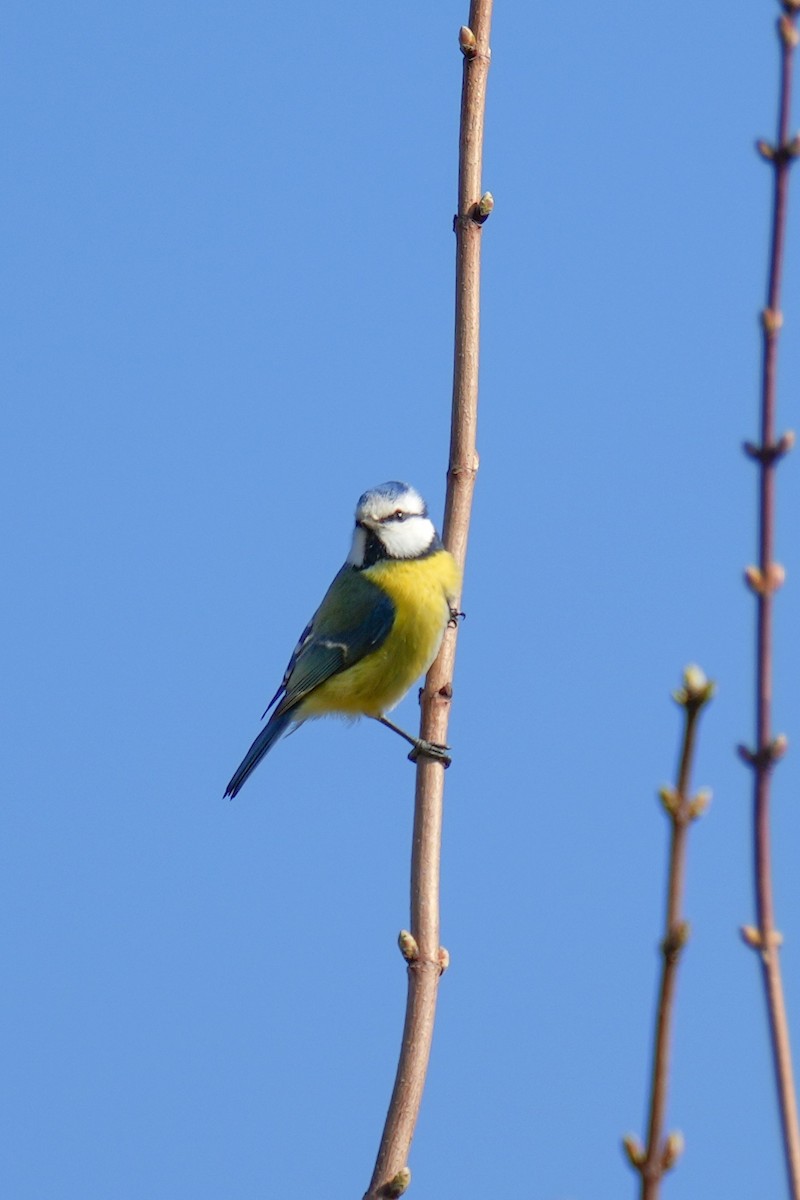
(301, 641)
(354, 619)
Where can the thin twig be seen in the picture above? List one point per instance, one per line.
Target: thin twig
(764, 580)
(662, 1152)
(421, 948)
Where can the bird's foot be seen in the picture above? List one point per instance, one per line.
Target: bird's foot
(430, 750)
(455, 617)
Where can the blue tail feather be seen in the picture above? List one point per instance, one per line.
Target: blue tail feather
(276, 725)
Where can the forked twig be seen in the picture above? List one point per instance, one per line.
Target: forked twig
(764, 580)
(421, 948)
(662, 1153)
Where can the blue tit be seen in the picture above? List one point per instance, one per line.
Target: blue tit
(378, 628)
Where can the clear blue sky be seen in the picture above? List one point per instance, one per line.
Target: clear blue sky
(228, 311)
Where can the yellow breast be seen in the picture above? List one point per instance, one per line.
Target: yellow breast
(422, 591)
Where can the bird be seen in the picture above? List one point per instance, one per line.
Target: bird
(378, 629)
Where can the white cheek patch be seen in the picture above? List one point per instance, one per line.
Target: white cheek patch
(407, 539)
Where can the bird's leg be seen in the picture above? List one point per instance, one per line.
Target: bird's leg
(430, 749)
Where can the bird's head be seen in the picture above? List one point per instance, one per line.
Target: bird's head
(391, 522)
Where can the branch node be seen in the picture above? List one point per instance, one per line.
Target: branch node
(408, 946)
(467, 41)
(771, 320)
(395, 1186)
(676, 939)
(782, 155)
(756, 940)
(771, 453)
(765, 583)
(766, 756)
(444, 960)
(673, 1149)
(467, 469)
(634, 1151)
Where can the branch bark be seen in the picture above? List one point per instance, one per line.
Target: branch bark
(662, 1153)
(764, 580)
(421, 947)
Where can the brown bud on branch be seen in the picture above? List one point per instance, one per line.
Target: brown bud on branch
(634, 1151)
(467, 42)
(673, 1149)
(771, 320)
(787, 31)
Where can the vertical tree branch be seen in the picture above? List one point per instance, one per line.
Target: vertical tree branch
(764, 580)
(421, 947)
(662, 1153)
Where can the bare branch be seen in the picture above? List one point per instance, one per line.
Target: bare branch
(764, 580)
(426, 958)
(662, 1153)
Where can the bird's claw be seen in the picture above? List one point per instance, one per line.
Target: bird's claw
(431, 750)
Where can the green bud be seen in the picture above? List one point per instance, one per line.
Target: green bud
(408, 945)
(397, 1184)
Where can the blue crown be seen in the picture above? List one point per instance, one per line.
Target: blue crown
(391, 491)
